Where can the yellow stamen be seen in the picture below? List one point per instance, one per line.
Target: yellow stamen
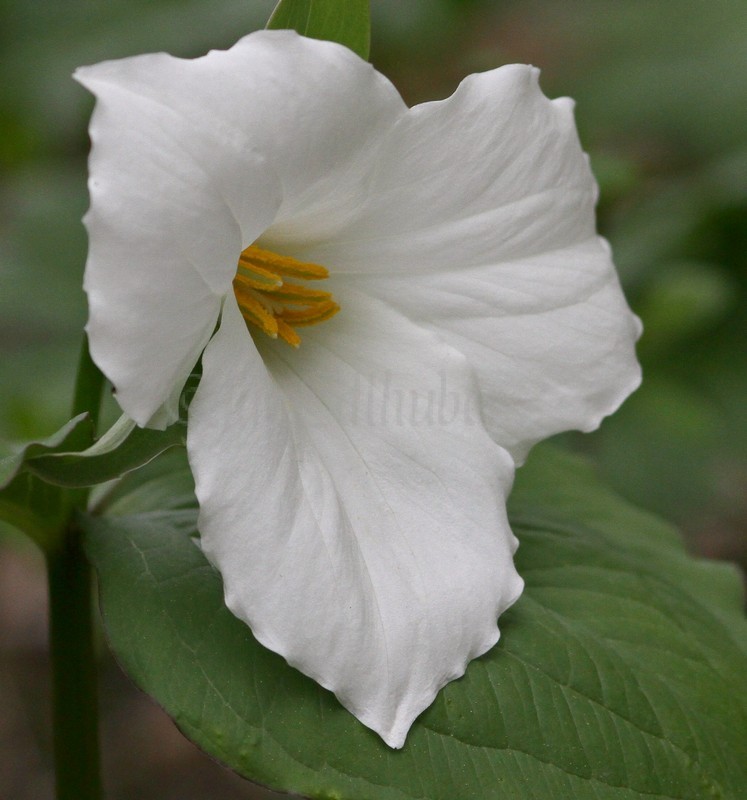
(277, 306)
(258, 278)
(309, 316)
(287, 334)
(297, 295)
(283, 265)
(253, 311)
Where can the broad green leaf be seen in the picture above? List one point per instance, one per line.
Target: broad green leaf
(121, 449)
(165, 484)
(347, 22)
(75, 432)
(621, 672)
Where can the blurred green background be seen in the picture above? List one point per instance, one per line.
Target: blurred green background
(661, 91)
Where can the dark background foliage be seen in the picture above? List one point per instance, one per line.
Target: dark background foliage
(661, 91)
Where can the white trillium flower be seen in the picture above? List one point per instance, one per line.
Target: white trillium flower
(392, 305)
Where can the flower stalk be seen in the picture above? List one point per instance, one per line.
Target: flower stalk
(71, 631)
(89, 384)
(75, 702)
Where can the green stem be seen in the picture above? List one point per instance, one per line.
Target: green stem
(88, 385)
(75, 702)
(71, 630)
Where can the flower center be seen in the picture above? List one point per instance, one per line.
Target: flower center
(276, 305)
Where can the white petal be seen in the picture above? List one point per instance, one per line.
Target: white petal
(159, 233)
(481, 226)
(493, 173)
(191, 162)
(550, 337)
(365, 541)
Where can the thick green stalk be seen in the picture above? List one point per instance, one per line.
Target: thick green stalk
(89, 384)
(71, 631)
(75, 702)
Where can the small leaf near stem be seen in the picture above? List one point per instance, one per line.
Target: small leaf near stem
(121, 449)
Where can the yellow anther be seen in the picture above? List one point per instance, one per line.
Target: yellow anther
(287, 334)
(309, 316)
(283, 265)
(255, 312)
(277, 306)
(257, 277)
(297, 295)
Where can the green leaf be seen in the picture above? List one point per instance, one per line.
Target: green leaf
(165, 484)
(29, 504)
(123, 448)
(347, 22)
(621, 672)
(78, 430)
